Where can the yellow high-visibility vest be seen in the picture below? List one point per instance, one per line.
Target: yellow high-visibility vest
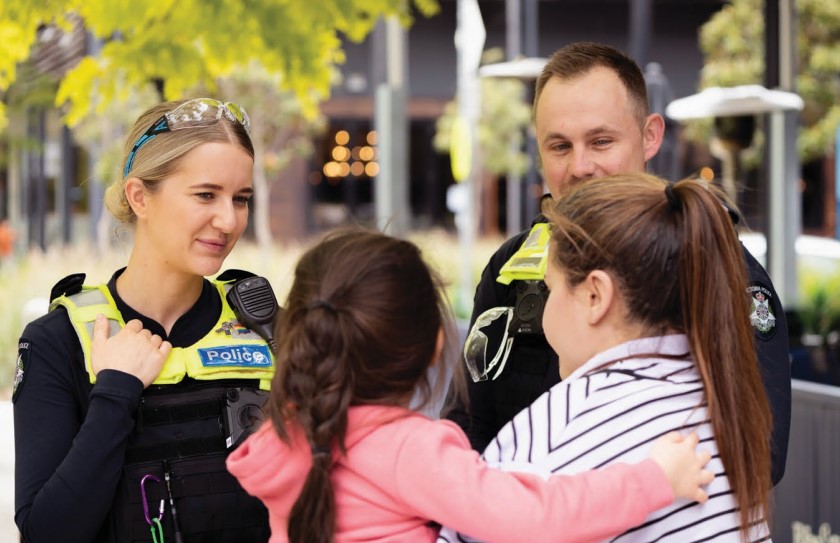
(228, 351)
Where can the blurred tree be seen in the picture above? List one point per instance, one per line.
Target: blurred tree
(280, 131)
(504, 116)
(503, 119)
(34, 90)
(179, 44)
(103, 136)
(276, 57)
(733, 45)
(820, 308)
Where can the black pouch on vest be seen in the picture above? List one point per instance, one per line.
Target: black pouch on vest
(211, 506)
(186, 431)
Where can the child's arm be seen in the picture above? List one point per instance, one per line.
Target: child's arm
(676, 456)
(444, 481)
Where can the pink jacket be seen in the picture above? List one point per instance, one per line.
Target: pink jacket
(389, 487)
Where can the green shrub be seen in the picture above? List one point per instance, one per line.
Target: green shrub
(819, 307)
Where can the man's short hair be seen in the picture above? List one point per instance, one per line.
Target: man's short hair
(577, 59)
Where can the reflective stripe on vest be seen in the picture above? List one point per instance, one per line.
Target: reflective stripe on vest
(228, 351)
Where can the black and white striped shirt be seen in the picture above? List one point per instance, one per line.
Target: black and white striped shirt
(612, 409)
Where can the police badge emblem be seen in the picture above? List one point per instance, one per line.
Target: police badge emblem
(20, 367)
(762, 316)
(234, 328)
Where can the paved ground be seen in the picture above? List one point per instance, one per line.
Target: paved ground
(8, 531)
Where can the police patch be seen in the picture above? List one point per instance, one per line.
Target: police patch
(762, 312)
(234, 328)
(236, 355)
(24, 348)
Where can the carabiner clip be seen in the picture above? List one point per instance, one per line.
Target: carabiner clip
(149, 519)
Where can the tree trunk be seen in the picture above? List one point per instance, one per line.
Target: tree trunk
(489, 203)
(262, 189)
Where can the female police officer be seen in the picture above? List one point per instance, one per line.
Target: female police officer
(130, 395)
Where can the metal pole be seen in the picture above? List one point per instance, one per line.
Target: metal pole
(513, 19)
(96, 186)
(391, 183)
(784, 219)
(469, 43)
(38, 215)
(66, 176)
(19, 183)
(837, 182)
(641, 23)
(531, 50)
(513, 28)
(532, 23)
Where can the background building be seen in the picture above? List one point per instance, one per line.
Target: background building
(48, 188)
(51, 194)
(666, 34)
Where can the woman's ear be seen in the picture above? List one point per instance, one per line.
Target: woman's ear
(599, 288)
(135, 195)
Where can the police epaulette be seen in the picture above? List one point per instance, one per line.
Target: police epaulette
(733, 214)
(234, 275)
(68, 286)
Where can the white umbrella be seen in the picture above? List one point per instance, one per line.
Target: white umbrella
(727, 101)
(521, 68)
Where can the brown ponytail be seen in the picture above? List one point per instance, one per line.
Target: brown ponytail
(674, 252)
(715, 310)
(360, 327)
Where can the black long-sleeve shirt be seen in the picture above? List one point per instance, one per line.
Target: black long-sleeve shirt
(532, 366)
(71, 436)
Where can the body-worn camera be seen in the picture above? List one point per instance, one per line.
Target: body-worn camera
(244, 411)
(531, 295)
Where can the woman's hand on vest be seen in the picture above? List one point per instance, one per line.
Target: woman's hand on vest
(133, 350)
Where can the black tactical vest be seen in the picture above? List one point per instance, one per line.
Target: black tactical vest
(183, 435)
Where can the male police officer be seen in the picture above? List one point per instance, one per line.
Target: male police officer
(592, 119)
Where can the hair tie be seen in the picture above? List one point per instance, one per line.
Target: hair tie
(318, 450)
(322, 304)
(673, 199)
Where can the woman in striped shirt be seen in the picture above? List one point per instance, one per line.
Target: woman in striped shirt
(650, 319)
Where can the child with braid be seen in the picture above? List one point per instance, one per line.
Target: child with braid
(346, 459)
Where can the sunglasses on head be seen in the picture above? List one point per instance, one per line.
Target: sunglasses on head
(190, 114)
